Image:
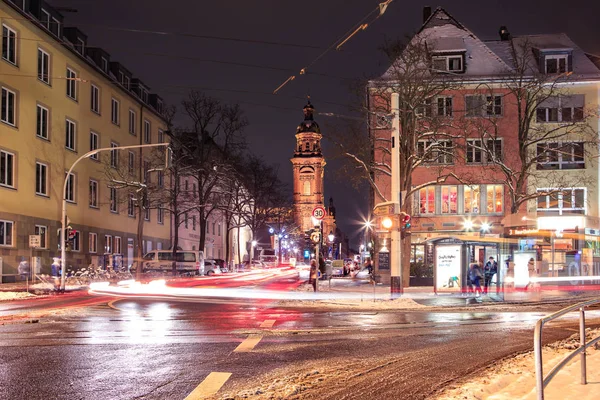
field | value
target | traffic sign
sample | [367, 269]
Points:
[319, 212]
[35, 241]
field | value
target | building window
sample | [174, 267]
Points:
[93, 144]
[76, 242]
[9, 44]
[556, 156]
[561, 109]
[161, 136]
[219, 230]
[554, 201]
[473, 151]
[43, 66]
[93, 242]
[474, 105]
[425, 110]
[113, 200]
[114, 155]
[71, 84]
[70, 134]
[108, 245]
[147, 209]
[452, 63]
[42, 232]
[104, 64]
[55, 27]
[556, 64]
[449, 200]
[114, 113]
[161, 178]
[185, 220]
[193, 222]
[42, 122]
[70, 189]
[495, 199]
[493, 106]
[147, 136]
[493, 150]
[9, 106]
[118, 245]
[472, 199]
[45, 19]
[306, 188]
[6, 233]
[160, 214]
[95, 99]
[194, 192]
[213, 227]
[7, 168]
[80, 46]
[132, 122]
[131, 206]
[93, 193]
[438, 152]
[427, 200]
[41, 179]
[131, 163]
[126, 82]
[444, 106]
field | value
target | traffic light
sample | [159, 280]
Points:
[405, 221]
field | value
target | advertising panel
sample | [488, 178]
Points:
[448, 261]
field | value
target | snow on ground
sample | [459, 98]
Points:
[514, 378]
[7, 296]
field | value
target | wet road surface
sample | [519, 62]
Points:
[84, 347]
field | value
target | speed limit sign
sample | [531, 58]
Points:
[319, 212]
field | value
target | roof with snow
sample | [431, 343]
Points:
[443, 35]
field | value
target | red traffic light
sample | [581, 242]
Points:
[405, 218]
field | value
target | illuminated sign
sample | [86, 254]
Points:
[523, 232]
[448, 262]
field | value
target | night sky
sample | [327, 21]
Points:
[170, 64]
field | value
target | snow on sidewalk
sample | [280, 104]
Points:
[514, 378]
[8, 296]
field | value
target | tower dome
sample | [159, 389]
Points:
[309, 124]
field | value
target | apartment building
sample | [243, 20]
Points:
[467, 217]
[61, 99]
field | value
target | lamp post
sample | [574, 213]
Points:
[63, 250]
[280, 235]
[331, 238]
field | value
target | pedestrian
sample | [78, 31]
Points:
[313, 274]
[489, 270]
[23, 268]
[56, 271]
[476, 274]
[369, 265]
[532, 272]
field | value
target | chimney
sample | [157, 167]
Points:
[426, 13]
[504, 33]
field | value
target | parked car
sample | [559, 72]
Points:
[211, 267]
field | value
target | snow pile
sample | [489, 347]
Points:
[514, 378]
[7, 296]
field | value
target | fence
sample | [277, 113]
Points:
[541, 380]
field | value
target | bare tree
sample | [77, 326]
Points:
[214, 141]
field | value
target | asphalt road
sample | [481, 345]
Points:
[83, 347]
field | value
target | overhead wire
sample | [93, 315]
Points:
[360, 25]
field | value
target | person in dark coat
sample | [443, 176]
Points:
[475, 274]
[490, 268]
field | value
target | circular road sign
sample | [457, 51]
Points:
[319, 212]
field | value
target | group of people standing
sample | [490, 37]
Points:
[477, 273]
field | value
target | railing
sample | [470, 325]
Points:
[541, 380]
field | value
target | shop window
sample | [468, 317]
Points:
[472, 199]
[427, 200]
[554, 201]
[495, 199]
[449, 200]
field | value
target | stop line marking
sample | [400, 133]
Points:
[209, 386]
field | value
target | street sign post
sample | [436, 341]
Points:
[319, 212]
[35, 241]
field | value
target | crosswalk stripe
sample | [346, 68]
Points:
[209, 386]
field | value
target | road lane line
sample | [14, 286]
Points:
[209, 386]
[248, 344]
[268, 323]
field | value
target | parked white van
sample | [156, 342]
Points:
[186, 262]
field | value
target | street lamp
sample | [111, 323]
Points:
[280, 235]
[331, 236]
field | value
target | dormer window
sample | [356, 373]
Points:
[104, 65]
[126, 82]
[80, 46]
[557, 64]
[449, 63]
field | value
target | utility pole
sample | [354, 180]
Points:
[396, 288]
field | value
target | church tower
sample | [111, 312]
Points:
[309, 165]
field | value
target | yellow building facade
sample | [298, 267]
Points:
[60, 100]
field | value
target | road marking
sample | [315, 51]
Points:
[268, 323]
[209, 386]
[248, 344]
